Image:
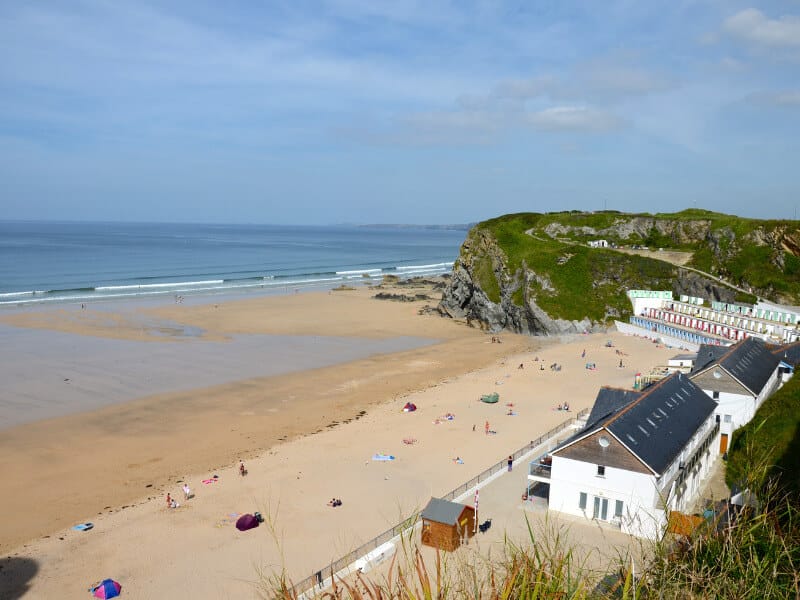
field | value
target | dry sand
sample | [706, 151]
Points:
[99, 466]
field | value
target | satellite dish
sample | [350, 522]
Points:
[603, 441]
[717, 374]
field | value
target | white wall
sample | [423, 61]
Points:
[643, 495]
[771, 386]
[741, 407]
[642, 304]
[636, 490]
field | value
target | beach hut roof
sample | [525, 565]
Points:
[442, 511]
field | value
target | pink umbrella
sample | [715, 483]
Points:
[108, 588]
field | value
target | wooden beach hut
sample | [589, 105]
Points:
[445, 524]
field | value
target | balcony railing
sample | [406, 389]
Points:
[540, 470]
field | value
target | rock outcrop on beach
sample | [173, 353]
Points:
[536, 274]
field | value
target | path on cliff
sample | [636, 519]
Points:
[679, 262]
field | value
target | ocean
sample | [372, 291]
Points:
[49, 262]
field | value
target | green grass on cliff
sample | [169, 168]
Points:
[770, 439]
[586, 282]
[722, 248]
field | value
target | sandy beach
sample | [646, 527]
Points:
[307, 431]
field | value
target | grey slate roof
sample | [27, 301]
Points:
[658, 423]
[788, 353]
[442, 511]
[751, 362]
[608, 401]
[706, 355]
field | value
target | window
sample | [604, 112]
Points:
[728, 418]
[715, 396]
[582, 501]
[618, 506]
[601, 471]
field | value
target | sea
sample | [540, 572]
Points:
[68, 262]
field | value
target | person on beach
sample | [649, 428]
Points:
[169, 500]
[242, 470]
[521, 366]
[186, 491]
[486, 428]
[510, 463]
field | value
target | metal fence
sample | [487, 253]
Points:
[327, 573]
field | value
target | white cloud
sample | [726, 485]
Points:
[574, 118]
[785, 98]
[731, 64]
[622, 80]
[753, 26]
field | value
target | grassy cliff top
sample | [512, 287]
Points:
[749, 253]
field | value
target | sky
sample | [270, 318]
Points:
[405, 111]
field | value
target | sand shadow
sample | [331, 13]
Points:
[16, 572]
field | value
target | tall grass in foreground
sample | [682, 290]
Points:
[755, 555]
[542, 569]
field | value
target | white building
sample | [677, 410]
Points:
[738, 379]
[681, 362]
[598, 244]
[641, 455]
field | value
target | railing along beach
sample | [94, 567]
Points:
[327, 573]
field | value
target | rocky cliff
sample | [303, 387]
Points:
[535, 274]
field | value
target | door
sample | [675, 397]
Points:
[723, 443]
[600, 508]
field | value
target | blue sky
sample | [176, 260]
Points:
[410, 111]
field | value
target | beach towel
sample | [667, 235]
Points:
[225, 521]
[382, 457]
[209, 481]
[83, 527]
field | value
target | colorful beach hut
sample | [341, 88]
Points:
[445, 524]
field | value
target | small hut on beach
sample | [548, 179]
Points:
[445, 524]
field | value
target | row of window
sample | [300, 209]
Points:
[600, 506]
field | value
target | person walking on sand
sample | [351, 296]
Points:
[510, 463]
[242, 470]
[186, 491]
[486, 428]
[169, 500]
